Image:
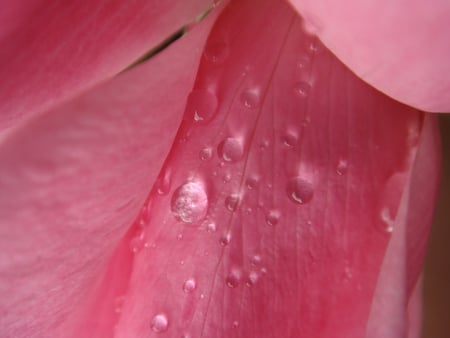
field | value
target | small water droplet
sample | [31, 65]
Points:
[216, 51]
[250, 98]
[159, 323]
[263, 271]
[181, 262]
[251, 182]
[304, 62]
[264, 144]
[202, 105]
[342, 167]
[137, 242]
[252, 278]
[189, 285]
[202, 296]
[231, 150]
[179, 237]
[164, 182]
[227, 178]
[225, 240]
[388, 220]
[211, 227]
[272, 217]
[205, 154]
[233, 279]
[300, 190]
[290, 138]
[235, 324]
[190, 202]
[232, 202]
[302, 89]
[255, 260]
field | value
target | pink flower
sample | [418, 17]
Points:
[241, 183]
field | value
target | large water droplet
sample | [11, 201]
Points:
[159, 323]
[202, 105]
[216, 51]
[190, 202]
[231, 149]
[232, 202]
[302, 89]
[189, 285]
[300, 190]
[233, 279]
[272, 217]
[251, 98]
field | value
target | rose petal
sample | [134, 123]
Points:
[277, 202]
[72, 182]
[400, 47]
[52, 52]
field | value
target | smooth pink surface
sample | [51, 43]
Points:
[401, 47]
[71, 184]
[76, 260]
[52, 51]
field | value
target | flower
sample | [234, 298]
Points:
[292, 200]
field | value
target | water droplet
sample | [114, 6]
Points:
[225, 240]
[227, 178]
[302, 89]
[163, 182]
[255, 260]
[342, 167]
[290, 138]
[263, 271]
[202, 296]
[251, 182]
[233, 279]
[159, 323]
[189, 285]
[231, 149]
[264, 144]
[179, 237]
[252, 278]
[202, 105]
[272, 217]
[216, 51]
[211, 227]
[181, 262]
[232, 202]
[300, 190]
[190, 202]
[304, 62]
[388, 220]
[137, 242]
[250, 98]
[205, 154]
[235, 324]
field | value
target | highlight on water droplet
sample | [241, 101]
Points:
[273, 217]
[189, 285]
[225, 240]
[251, 98]
[300, 190]
[342, 167]
[216, 51]
[159, 323]
[302, 89]
[190, 202]
[231, 149]
[387, 220]
[233, 279]
[206, 154]
[232, 202]
[202, 105]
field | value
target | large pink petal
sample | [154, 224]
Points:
[400, 47]
[71, 183]
[275, 212]
[51, 52]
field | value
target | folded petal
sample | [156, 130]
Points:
[71, 183]
[52, 52]
[289, 188]
[400, 47]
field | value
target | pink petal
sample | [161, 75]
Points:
[52, 52]
[400, 47]
[72, 182]
[274, 213]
